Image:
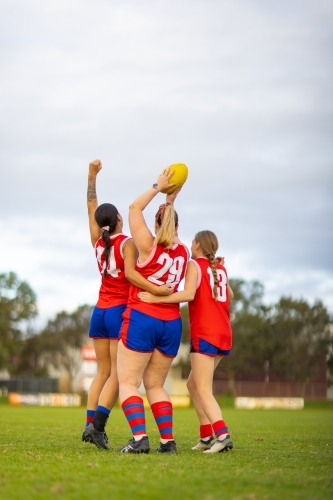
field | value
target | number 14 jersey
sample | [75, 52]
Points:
[163, 266]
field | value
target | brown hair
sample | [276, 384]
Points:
[167, 219]
[209, 245]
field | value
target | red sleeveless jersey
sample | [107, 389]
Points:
[209, 318]
[163, 266]
[115, 287]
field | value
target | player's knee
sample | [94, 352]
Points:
[129, 381]
[204, 392]
[104, 370]
[190, 384]
[151, 384]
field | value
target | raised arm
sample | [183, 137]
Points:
[130, 254]
[95, 232]
[142, 236]
[188, 294]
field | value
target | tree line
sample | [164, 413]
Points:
[293, 337]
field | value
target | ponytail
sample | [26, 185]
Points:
[106, 216]
[212, 262]
[167, 219]
[107, 249]
[209, 245]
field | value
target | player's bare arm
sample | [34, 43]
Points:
[170, 198]
[142, 236]
[188, 294]
[92, 203]
[130, 254]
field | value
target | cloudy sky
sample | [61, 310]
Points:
[239, 90]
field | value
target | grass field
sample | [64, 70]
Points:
[278, 454]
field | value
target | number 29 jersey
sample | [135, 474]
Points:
[163, 266]
[209, 318]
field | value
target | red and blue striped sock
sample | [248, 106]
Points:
[162, 412]
[135, 413]
[206, 432]
[89, 416]
[220, 429]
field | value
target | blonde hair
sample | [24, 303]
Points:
[209, 245]
[167, 219]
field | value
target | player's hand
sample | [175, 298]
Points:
[219, 260]
[94, 167]
[148, 297]
[164, 290]
[163, 179]
[170, 198]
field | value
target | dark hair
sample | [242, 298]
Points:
[106, 217]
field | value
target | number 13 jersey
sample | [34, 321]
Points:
[163, 266]
[209, 318]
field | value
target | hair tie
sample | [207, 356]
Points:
[161, 210]
[106, 228]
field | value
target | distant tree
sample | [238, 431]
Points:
[301, 339]
[17, 307]
[330, 362]
[31, 360]
[62, 338]
[185, 324]
[249, 327]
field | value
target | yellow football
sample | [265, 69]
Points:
[178, 177]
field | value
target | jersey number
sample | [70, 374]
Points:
[221, 285]
[112, 267]
[174, 266]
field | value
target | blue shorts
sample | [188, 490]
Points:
[144, 333]
[106, 323]
[203, 347]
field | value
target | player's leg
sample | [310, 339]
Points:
[159, 400]
[223, 441]
[203, 367]
[167, 341]
[205, 427]
[102, 350]
[111, 320]
[131, 366]
[107, 399]
[98, 333]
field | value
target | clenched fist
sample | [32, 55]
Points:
[94, 167]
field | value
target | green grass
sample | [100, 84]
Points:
[278, 454]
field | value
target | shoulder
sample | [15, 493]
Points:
[194, 271]
[124, 243]
[119, 239]
[202, 262]
[180, 248]
[193, 263]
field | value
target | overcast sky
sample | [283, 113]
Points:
[239, 90]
